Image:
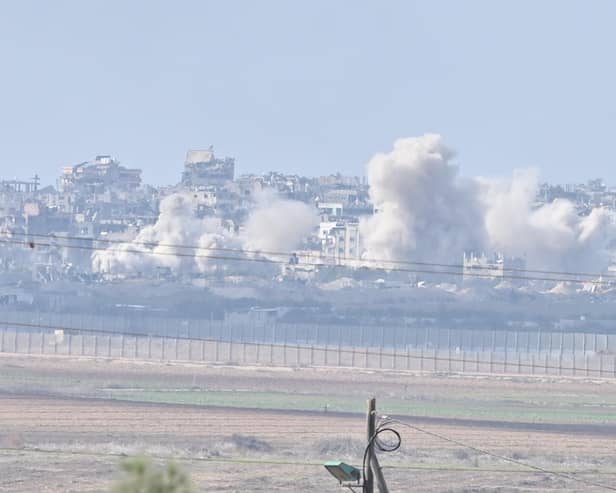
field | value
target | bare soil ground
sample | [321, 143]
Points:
[65, 424]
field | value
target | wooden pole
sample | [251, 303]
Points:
[371, 428]
[378, 474]
[373, 470]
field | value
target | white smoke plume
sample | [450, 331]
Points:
[273, 224]
[426, 211]
[552, 235]
[278, 225]
[161, 244]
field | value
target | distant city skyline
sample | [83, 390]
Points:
[53, 181]
[307, 88]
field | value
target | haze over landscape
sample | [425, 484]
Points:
[226, 226]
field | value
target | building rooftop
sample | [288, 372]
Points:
[199, 156]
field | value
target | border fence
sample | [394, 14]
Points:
[304, 345]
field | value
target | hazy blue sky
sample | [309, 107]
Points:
[307, 86]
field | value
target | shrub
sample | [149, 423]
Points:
[143, 477]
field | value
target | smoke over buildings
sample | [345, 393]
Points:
[427, 211]
[168, 243]
[551, 235]
[183, 242]
[279, 225]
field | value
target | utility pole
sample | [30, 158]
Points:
[349, 476]
[373, 470]
[371, 429]
[378, 473]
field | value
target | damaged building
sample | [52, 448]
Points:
[202, 168]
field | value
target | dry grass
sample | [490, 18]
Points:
[241, 449]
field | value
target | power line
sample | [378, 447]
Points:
[289, 254]
[500, 457]
[264, 260]
[325, 349]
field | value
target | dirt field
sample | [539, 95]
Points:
[66, 423]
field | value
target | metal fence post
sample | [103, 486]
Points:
[339, 345]
[271, 353]
[326, 353]
[381, 348]
[506, 351]
[560, 364]
[243, 350]
[532, 364]
[519, 363]
[284, 346]
[393, 357]
[560, 355]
